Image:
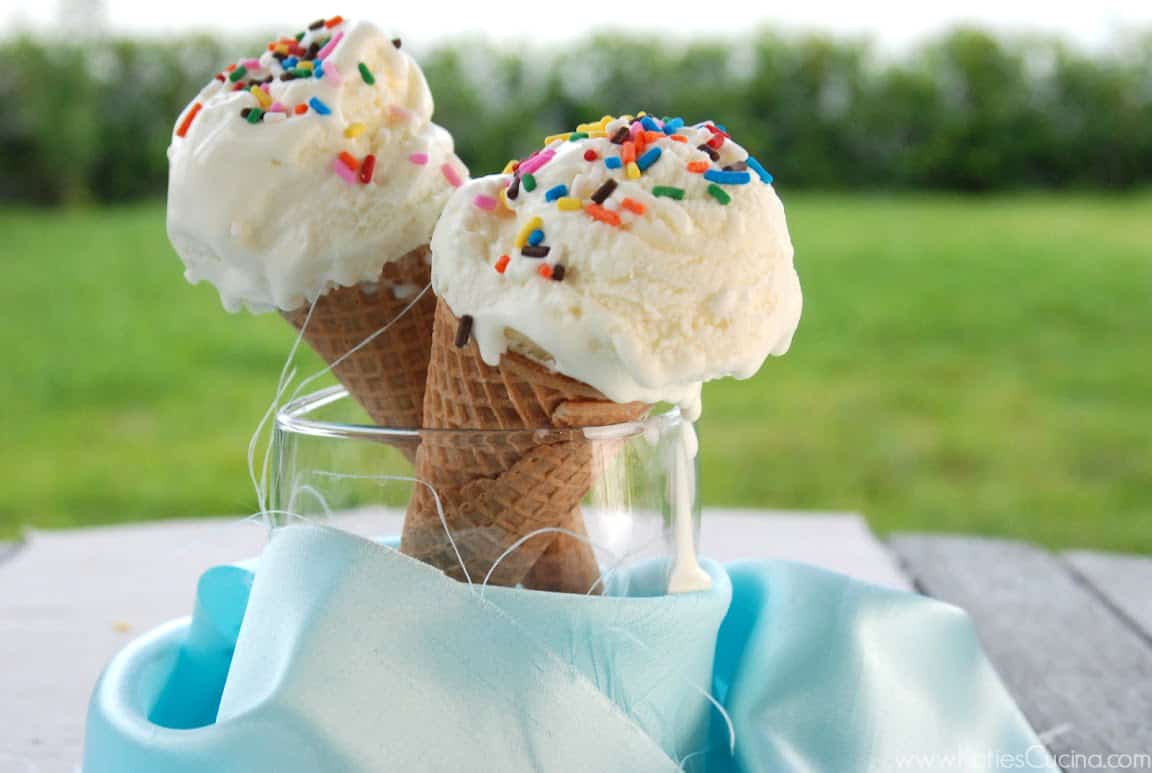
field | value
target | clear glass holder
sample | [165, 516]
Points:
[563, 510]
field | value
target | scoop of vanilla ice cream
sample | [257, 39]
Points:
[682, 273]
[260, 203]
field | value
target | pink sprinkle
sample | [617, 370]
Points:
[399, 113]
[451, 175]
[636, 128]
[540, 159]
[331, 73]
[419, 158]
[330, 45]
[484, 202]
[251, 64]
[340, 168]
[276, 107]
[264, 87]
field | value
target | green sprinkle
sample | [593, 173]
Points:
[255, 115]
[366, 74]
[669, 192]
[301, 72]
[574, 136]
[299, 36]
[238, 73]
[719, 193]
[528, 182]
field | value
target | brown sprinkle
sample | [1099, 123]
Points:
[312, 51]
[316, 24]
[621, 136]
[514, 188]
[558, 272]
[739, 166]
[712, 154]
[396, 42]
[534, 251]
[464, 331]
[604, 191]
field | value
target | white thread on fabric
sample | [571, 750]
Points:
[620, 564]
[435, 497]
[314, 492]
[542, 530]
[704, 693]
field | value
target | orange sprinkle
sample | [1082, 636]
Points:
[301, 109]
[271, 46]
[651, 136]
[700, 167]
[597, 212]
[640, 143]
[230, 68]
[677, 138]
[502, 264]
[188, 119]
[628, 151]
[349, 160]
[333, 21]
[632, 205]
[545, 271]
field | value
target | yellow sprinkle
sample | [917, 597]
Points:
[529, 227]
[632, 170]
[553, 137]
[264, 100]
[588, 128]
[569, 204]
[605, 120]
[641, 114]
[306, 64]
[510, 167]
[597, 133]
[282, 49]
[354, 130]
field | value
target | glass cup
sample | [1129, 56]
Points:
[601, 510]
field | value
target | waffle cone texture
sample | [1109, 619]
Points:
[495, 488]
[386, 375]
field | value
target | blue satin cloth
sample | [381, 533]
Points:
[341, 654]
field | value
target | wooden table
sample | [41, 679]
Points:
[1071, 634]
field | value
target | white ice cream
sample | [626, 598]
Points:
[690, 290]
[258, 210]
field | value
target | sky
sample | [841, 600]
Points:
[893, 23]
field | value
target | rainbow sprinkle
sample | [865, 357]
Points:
[650, 157]
[451, 175]
[318, 105]
[556, 192]
[485, 202]
[668, 191]
[727, 178]
[522, 235]
[188, 119]
[613, 162]
[419, 159]
[366, 74]
[718, 193]
[340, 168]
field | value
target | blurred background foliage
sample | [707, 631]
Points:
[967, 111]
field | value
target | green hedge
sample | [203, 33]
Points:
[966, 111]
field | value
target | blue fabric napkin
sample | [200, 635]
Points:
[353, 657]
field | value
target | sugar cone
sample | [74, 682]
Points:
[386, 375]
[497, 487]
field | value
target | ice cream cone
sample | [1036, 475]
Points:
[386, 375]
[496, 488]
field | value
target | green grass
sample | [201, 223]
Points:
[968, 365]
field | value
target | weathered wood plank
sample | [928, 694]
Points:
[1125, 582]
[1081, 674]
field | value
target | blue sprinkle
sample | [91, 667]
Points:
[555, 193]
[613, 162]
[649, 124]
[650, 157]
[319, 106]
[318, 70]
[535, 237]
[764, 174]
[728, 178]
[721, 127]
[290, 62]
[672, 124]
